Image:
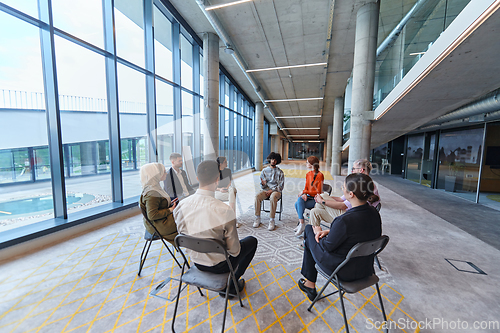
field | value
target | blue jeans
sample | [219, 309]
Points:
[301, 205]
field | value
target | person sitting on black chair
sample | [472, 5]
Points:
[328, 248]
[202, 215]
[176, 183]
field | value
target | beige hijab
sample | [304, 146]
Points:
[151, 175]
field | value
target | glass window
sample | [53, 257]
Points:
[187, 121]
[459, 157]
[29, 7]
[186, 63]
[414, 153]
[163, 45]
[81, 18]
[133, 127]
[84, 124]
[23, 123]
[130, 30]
[165, 121]
[226, 94]
[202, 83]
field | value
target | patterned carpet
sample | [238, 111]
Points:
[90, 284]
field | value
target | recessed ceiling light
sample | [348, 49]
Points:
[301, 128]
[225, 5]
[317, 116]
[293, 99]
[285, 67]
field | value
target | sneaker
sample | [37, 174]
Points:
[300, 229]
[271, 225]
[296, 228]
[301, 246]
[257, 222]
[238, 224]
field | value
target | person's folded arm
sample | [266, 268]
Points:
[336, 236]
[335, 204]
[153, 209]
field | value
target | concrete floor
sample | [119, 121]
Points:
[89, 283]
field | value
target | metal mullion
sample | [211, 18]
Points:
[246, 141]
[176, 59]
[481, 163]
[52, 111]
[23, 16]
[222, 115]
[112, 101]
[150, 80]
[230, 145]
[196, 105]
[80, 42]
[238, 133]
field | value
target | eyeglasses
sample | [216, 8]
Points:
[342, 187]
[354, 168]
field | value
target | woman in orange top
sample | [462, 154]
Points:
[314, 185]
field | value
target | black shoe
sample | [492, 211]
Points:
[232, 290]
[310, 292]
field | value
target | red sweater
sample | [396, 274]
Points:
[317, 186]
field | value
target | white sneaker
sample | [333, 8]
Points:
[257, 222]
[296, 228]
[238, 224]
[300, 229]
[271, 225]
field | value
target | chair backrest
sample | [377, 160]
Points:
[327, 188]
[202, 245]
[378, 207]
[365, 249]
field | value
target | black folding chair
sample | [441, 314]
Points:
[376, 257]
[150, 238]
[327, 188]
[280, 201]
[201, 279]
[365, 249]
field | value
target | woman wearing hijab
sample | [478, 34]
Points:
[156, 202]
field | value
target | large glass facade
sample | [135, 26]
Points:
[114, 103]
[417, 36]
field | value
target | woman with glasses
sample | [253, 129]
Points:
[314, 187]
[328, 207]
[328, 248]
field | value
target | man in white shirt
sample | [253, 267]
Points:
[176, 184]
[201, 215]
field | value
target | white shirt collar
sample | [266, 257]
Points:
[205, 192]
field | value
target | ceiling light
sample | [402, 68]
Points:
[293, 99]
[318, 116]
[316, 135]
[229, 49]
[302, 128]
[417, 53]
[285, 67]
[225, 5]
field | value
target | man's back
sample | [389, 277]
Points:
[201, 215]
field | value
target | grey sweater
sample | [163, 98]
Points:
[274, 177]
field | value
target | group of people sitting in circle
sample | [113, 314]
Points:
[175, 207]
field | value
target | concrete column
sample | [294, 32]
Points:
[328, 159]
[338, 122]
[277, 144]
[363, 75]
[259, 135]
[211, 95]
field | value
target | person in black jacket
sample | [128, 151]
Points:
[176, 183]
[328, 248]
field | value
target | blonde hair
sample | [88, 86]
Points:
[364, 164]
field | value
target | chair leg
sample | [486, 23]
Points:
[381, 303]
[144, 255]
[343, 311]
[171, 253]
[177, 300]
[225, 303]
[378, 263]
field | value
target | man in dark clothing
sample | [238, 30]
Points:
[176, 184]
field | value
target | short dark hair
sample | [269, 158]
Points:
[174, 156]
[274, 156]
[207, 172]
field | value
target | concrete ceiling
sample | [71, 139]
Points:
[270, 33]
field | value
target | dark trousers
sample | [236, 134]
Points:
[242, 260]
[308, 261]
